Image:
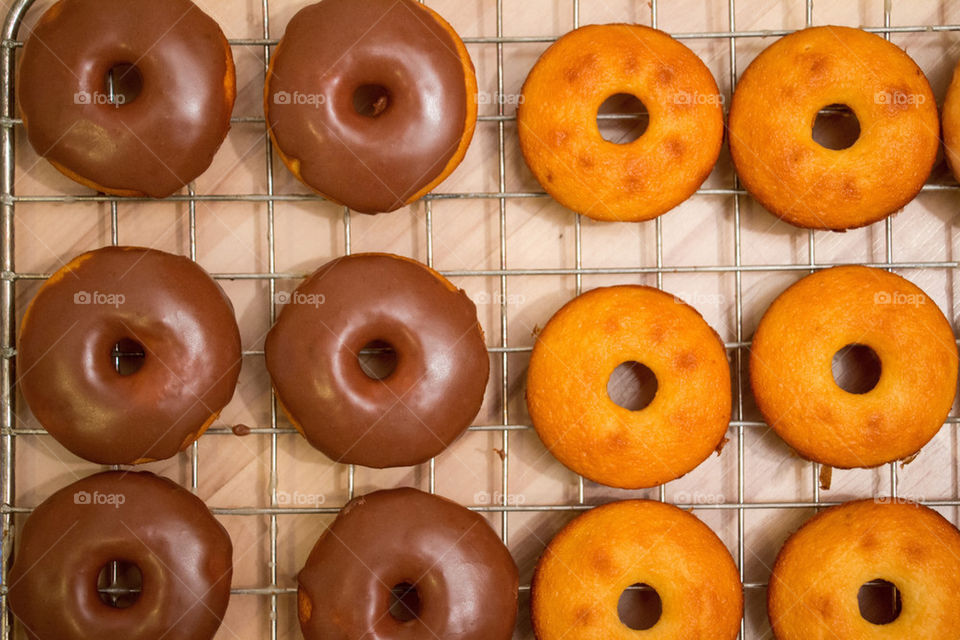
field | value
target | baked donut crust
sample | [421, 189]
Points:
[583, 428]
[819, 572]
[640, 180]
[776, 103]
[587, 566]
[792, 355]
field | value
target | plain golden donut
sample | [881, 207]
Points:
[819, 571]
[562, 144]
[791, 367]
[951, 123]
[771, 128]
[589, 564]
[572, 362]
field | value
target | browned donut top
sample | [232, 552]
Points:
[183, 553]
[464, 577]
[332, 48]
[161, 140]
[429, 399]
[775, 106]
[819, 571]
[167, 304]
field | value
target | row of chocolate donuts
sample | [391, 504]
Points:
[179, 322]
[394, 562]
[394, 110]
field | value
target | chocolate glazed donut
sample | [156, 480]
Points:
[168, 134]
[428, 400]
[371, 104]
[184, 556]
[462, 579]
[165, 305]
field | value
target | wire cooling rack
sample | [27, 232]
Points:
[278, 590]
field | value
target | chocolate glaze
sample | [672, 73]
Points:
[172, 307]
[183, 553]
[428, 400]
[464, 576]
[164, 138]
[331, 48]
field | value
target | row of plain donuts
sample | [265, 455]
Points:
[394, 109]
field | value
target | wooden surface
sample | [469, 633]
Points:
[232, 237]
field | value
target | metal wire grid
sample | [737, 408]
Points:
[9, 431]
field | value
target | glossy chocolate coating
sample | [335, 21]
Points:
[371, 164]
[164, 138]
[170, 306]
[184, 555]
[465, 579]
[429, 399]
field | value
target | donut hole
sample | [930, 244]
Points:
[622, 118]
[639, 606]
[128, 356]
[856, 368]
[119, 584]
[404, 602]
[124, 84]
[836, 127]
[378, 359]
[880, 602]
[632, 385]
[370, 100]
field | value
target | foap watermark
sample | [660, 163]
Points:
[98, 97]
[495, 97]
[699, 498]
[315, 100]
[484, 498]
[300, 298]
[900, 499]
[899, 298]
[499, 298]
[99, 499]
[99, 298]
[299, 499]
[697, 98]
[700, 299]
[899, 98]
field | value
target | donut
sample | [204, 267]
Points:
[771, 128]
[791, 361]
[184, 557]
[166, 135]
[416, 411]
[371, 104]
[116, 299]
[951, 123]
[588, 565]
[562, 144]
[572, 361]
[818, 574]
[450, 573]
